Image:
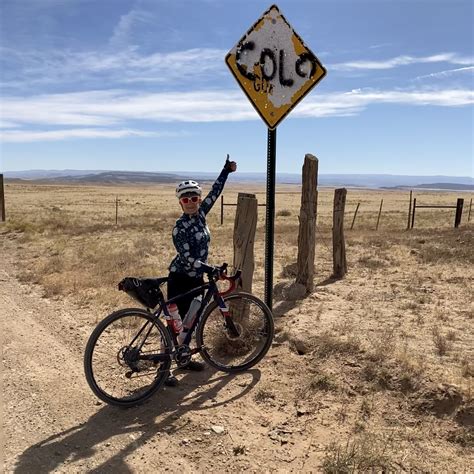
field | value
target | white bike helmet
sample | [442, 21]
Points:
[188, 186]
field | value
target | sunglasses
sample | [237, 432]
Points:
[186, 200]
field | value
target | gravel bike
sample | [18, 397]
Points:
[130, 353]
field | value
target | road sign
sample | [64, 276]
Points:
[273, 66]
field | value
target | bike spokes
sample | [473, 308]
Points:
[239, 340]
[127, 357]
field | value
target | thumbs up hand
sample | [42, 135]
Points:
[230, 166]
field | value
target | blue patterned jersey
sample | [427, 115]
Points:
[191, 235]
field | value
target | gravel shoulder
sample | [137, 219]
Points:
[319, 392]
[53, 423]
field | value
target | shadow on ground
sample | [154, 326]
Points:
[288, 295]
[167, 405]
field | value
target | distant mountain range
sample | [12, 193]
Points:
[385, 181]
[437, 186]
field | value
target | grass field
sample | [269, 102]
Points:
[390, 347]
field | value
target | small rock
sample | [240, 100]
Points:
[273, 435]
[295, 291]
[299, 346]
[238, 450]
[218, 429]
[290, 271]
[301, 411]
[207, 433]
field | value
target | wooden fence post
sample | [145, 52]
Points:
[380, 212]
[307, 228]
[457, 217]
[2, 200]
[413, 213]
[116, 209]
[355, 215]
[469, 215]
[245, 226]
[409, 210]
[338, 242]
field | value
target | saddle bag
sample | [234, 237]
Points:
[145, 290]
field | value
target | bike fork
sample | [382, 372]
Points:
[229, 324]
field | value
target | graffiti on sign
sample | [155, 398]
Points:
[274, 67]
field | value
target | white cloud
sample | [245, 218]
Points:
[28, 69]
[111, 107]
[352, 103]
[126, 25]
[447, 73]
[6, 124]
[59, 109]
[121, 108]
[381, 45]
[127, 66]
[451, 58]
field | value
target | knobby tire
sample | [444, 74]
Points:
[113, 375]
[236, 354]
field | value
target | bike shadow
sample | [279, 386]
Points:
[197, 391]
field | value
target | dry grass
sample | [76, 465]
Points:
[441, 342]
[328, 344]
[367, 453]
[402, 316]
[264, 395]
[283, 213]
[322, 381]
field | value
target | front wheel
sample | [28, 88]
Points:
[127, 357]
[239, 346]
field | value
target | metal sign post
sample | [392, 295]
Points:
[275, 70]
[2, 200]
[270, 216]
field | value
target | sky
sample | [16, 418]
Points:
[142, 85]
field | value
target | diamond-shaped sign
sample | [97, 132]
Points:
[274, 67]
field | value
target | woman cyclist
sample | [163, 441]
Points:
[191, 239]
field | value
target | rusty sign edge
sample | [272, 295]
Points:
[293, 105]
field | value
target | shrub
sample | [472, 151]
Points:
[365, 454]
[322, 382]
[441, 342]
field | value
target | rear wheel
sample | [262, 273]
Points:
[119, 360]
[234, 351]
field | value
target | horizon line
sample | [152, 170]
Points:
[240, 173]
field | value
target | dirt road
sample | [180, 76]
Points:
[318, 385]
[53, 423]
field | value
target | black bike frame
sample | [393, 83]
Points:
[212, 291]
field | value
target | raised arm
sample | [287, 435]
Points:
[218, 186]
